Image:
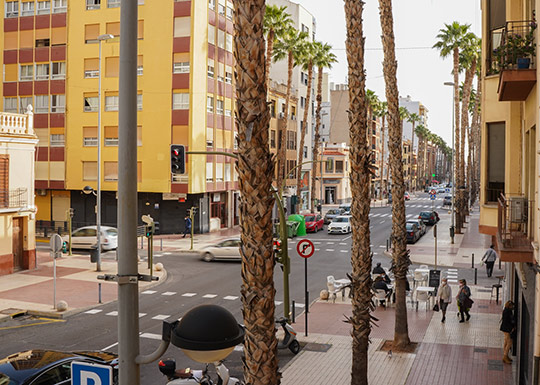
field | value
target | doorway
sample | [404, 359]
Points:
[17, 244]
[329, 195]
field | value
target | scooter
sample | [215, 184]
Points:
[289, 338]
[195, 377]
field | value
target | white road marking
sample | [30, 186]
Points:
[109, 347]
[329, 243]
[299, 305]
[141, 315]
[239, 348]
[376, 215]
[113, 313]
[189, 294]
[384, 215]
[382, 247]
[410, 215]
[343, 251]
[169, 293]
[209, 296]
[342, 243]
[161, 317]
[230, 297]
[93, 311]
[344, 239]
[329, 250]
[152, 336]
[315, 243]
[167, 253]
[277, 303]
[382, 222]
[149, 292]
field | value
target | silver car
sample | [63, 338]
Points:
[227, 249]
[86, 238]
[420, 224]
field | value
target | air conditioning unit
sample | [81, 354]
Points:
[518, 210]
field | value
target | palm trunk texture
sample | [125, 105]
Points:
[255, 170]
[302, 139]
[382, 157]
[469, 77]
[457, 158]
[400, 256]
[317, 138]
[360, 175]
[269, 51]
[283, 123]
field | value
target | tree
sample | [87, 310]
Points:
[400, 256]
[404, 114]
[413, 118]
[308, 53]
[255, 170]
[380, 112]
[421, 131]
[288, 47]
[450, 41]
[324, 59]
[276, 22]
[361, 171]
[372, 103]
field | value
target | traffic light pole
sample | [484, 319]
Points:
[191, 215]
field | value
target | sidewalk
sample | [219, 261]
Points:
[450, 353]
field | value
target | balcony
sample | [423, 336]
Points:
[513, 57]
[514, 229]
[13, 199]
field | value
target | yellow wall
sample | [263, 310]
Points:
[6, 232]
[43, 204]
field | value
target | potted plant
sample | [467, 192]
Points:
[517, 49]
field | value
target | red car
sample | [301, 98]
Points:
[314, 222]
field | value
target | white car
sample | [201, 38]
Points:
[227, 249]
[340, 225]
[86, 238]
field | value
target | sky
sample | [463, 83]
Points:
[421, 70]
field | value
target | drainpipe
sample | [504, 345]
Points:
[536, 347]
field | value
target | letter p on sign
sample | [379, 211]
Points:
[88, 373]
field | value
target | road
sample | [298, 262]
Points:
[192, 282]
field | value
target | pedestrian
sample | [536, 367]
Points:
[378, 269]
[187, 227]
[464, 300]
[379, 284]
[508, 327]
[489, 258]
[445, 297]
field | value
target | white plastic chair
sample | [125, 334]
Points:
[424, 267]
[380, 297]
[333, 287]
[422, 296]
[419, 277]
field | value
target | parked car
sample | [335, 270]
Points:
[441, 190]
[429, 217]
[419, 223]
[447, 200]
[340, 225]
[331, 215]
[407, 196]
[427, 189]
[86, 238]
[229, 249]
[49, 367]
[346, 207]
[413, 232]
[314, 222]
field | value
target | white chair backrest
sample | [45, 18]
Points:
[422, 296]
[331, 287]
[424, 267]
[330, 278]
[418, 276]
[380, 294]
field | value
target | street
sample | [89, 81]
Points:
[191, 282]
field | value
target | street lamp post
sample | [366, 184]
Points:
[452, 228]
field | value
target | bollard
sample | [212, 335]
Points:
[293, 311]
[387, 245]
[142, 243]
[475, 275]
[472, 264]
[161, 244]
[99, 292]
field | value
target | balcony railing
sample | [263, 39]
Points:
[515, 228]
[12, 199]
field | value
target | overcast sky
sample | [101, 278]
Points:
[421, 71]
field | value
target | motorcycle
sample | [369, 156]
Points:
[195, 377]
[289, 340]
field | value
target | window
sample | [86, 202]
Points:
[91, 103]
[25, 101]
[92, 4]
[58, 103]
[42, 104]
[113, 3]
[210, 68]
[212, 4]
[12, 9]
[219, 172]
[291, 140]
[26, 72]
[112, 66]
[228, 112]
[209, 104]
[139, 136]
[91, 33]
[221, 38]
[339, 166]
[140, 70]
[181, 68]
[43, 43]
[181, 101]
[228, 43]
[221, 72]
[329, 165]
[57, 140]
[302, 102]
[42, 71]
[230, 13]
[90, 137]
[58, 70]
[209, 172]
[227, 172]
[305, 152]
[495, 161]
[235, 142]
[221, 9]
[10, 105]
[305, 28]
[139, 102]
[111, 136]
[273, 108]
[110, 171]
[91, 68]
[209, 137]
[228, 74]
[273, 139]
[43, 7]
[59, 6]
[219, 107]
[27, 8]
[111, 103]
[182, 26]
[211, 34]
[89, 170]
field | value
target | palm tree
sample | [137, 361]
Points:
[360, 156]
[404, 114]
[400, 256]
[450, 41]
[288, 47]
[380, 112]
[372, 103]
[421, 132]
[255, 170]
[413, 118]
[308, 52]
[276, 22]
[324, 59]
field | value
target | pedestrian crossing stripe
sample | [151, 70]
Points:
[142, 315]
[189, 294]
[152, 336]
[343, 251]
[161, 317]
[112, 313]
[230, 297]
[329, 250]
[149, 292]
[277, 303]
[299, 305]
[210, 296]
[93, 311]
[169, 293]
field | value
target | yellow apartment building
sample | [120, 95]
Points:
[185, 85]
[509, 209]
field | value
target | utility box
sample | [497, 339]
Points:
[518, 210]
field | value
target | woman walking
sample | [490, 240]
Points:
[445, 297]
[464, 300]
[508, 327]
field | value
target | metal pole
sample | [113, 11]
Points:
[307, 295]
[128, 289]
[191, 211]
[293, 311]
[70, 226]
[98, 196]
[472, 262]
[99, 292]
[54, 280]
[453, 172]
[435, 236]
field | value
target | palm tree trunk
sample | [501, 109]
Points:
[360, 187]
[317, 138]
[477, 137]
[458, 182]
[269, 51]
[283, 123]
[302, 138]
[255, 170]
[412, 160]
[382, 157]
[469, 77]
[400, 255]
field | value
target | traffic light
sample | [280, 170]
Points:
[277, 250]
[178, 159]
[150, 229]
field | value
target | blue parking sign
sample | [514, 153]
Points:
[433, 196]
[88, 373]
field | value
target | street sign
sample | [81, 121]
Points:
[88, 373]
[432, 197]
[56, 243]
[433, 192]
[447, 190]
[305, 248]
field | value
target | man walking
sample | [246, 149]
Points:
[187, 228]
[489, 258]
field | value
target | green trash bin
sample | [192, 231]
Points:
[292, 228]
[301, 221]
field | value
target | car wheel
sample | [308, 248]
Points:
[208, 257]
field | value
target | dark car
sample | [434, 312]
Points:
[413, 232]
[331, 215]
[429, 217]
[447, 200]
[50, 367]
[314, 222]
[420, 224]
